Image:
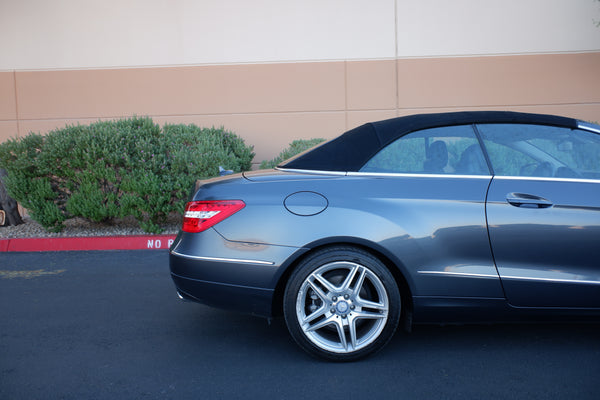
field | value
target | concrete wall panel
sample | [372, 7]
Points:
[8, 130]
[368, 85]
[181, 90]
[499, 81]
[476, 27]
[8, 101]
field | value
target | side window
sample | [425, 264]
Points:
[507, 161]
[541, 151]
[444, 150]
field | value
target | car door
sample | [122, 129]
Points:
[433, 183]
[543, 212]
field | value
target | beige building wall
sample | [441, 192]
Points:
[276, 71]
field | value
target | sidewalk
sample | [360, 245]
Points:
[138, 242]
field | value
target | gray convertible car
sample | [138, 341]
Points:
[433, 218]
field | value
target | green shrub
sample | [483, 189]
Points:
[296, 147]
[107, 170]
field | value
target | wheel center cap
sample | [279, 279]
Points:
[342, 307]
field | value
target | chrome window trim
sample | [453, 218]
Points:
[588, 127]
[528, 278]
[546, 179]
[451, 176]
[311, 171]
[413, 175]
[461, 274]
[219, 259]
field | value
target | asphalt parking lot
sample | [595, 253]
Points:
[108, 325]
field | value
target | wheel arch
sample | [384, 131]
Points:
[395, 266]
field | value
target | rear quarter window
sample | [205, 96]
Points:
[443, 150]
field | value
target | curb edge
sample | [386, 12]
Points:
[139, 242]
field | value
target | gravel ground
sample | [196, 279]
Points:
[78, 227]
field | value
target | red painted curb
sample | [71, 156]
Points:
[142, 242]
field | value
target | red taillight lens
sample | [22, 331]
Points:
[201, 215]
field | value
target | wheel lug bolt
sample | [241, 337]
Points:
[352, 307]
[334, 298]
[332, 310]
[346, 296]
[343, 315]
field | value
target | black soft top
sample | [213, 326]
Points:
[351, 150]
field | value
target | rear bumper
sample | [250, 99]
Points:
[245, 299]
[209, 269]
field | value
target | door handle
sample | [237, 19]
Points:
[527, 201]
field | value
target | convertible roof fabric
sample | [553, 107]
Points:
[351, 150]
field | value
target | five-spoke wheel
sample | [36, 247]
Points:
[341, 304]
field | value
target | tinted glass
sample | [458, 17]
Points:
[445, 150]
[541, 151]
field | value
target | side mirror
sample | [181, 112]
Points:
[223, 171]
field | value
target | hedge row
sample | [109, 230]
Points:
[107, 170]
[296, 147]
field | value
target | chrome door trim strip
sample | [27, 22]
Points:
[555, 280]
[220, 259]
[465, 274]
[546, 179]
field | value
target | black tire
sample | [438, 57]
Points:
[341, 304]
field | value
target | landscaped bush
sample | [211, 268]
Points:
[107, 170]
[296, 147]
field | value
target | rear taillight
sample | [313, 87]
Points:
[201, 215]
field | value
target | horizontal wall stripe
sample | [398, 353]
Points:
[185, 90]
[270, 105]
